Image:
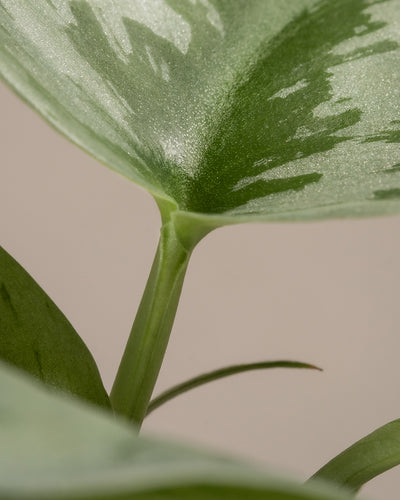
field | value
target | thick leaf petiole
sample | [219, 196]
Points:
[144, 352]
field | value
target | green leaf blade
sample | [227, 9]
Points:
[214, 375]
[36, 337]
[275, 110]
[367, 458]
[76, 453]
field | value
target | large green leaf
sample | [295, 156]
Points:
[233, 111]
[365, 459]
[54, 448]
[36, 337]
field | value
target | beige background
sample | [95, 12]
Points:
[326, 293]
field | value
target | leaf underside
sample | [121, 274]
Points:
[234, 111]
[60, 449]
[367, 458]
[36, 337]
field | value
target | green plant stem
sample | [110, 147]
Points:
[214, 375]
[144, 352]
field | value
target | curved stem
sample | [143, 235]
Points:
[227, 371]
[144, 352]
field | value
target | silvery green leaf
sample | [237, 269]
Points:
[53, 448]
[231, 111]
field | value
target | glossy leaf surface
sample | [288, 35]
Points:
[365, 459]
[69, 451]
[214, 375]
[36, 337]
[234, 111]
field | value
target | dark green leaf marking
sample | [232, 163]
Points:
[395, 168]
[387, 194]
[6, 299]
[390, 136]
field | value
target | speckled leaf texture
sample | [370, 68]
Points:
[232, 110]
[62, 450]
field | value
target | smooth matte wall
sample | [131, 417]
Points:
[325, 293]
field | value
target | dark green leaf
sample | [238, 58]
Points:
[205, 378]
[36, 336]
[53, 448]
[232, 111]
[366, 459]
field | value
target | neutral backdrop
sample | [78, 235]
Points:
[326, 293]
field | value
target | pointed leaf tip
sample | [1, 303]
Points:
[36, 337]
[219, 374]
